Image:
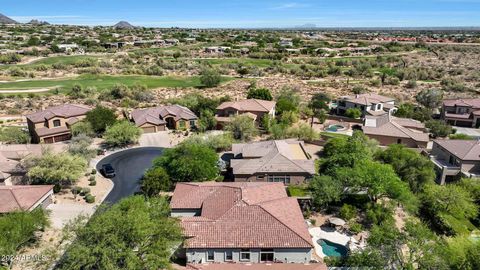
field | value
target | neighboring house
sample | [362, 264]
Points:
[53, 124]
[158, 118]
[462, 112]
[258, 266]
[368, 104]
[388, 130]
[455, 158]
[246, 223]
[254, 108]
[284, 161]
[286, 42]
[11, 155]
[24, 198]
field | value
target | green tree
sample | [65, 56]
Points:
[242, 127]
[82, 127]
[430, 98]
[57, 169]
[438, 128]
[19, 230]
[14, 135]
[155, 180]
[210, 78]
[412, 167]
[354, 113]
[449, 208]
[132, 234]
[259, 93]
[122, 133]
[100, 118]
[189, 162]
[206, 121]
[81, 146]
[287, 100]
[325, 190]
[319, 105]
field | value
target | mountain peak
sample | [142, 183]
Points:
[123, 25]
[6, 20]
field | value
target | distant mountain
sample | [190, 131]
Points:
[306, 26]
[6, 20]
[37, 22]
[123, 25]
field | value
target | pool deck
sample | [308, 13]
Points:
[335, 237]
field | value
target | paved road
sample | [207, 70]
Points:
[129, 166]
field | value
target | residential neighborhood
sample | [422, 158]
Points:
[239, 136]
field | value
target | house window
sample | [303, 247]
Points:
[181, 124]
[228, 255]
[192, 123]
[399, 141]
[279, 178]
[267, 255]
[56, 123]
[379, 106]
[260, 177]
[210, 255]
[245, 255]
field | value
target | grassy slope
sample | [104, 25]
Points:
[106, 81]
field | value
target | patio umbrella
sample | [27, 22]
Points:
[336, 221]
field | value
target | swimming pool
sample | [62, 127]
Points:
[335, 128]
[331, 249]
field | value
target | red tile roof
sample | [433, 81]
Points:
[463, 149]
[246, 105]
[241, 215]
[257, 266]
[472, 102]
[156, 115]
[65, 111]
[14, 198]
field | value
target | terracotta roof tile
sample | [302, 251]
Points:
[65, 111]
[241, 215]
[14, 198]
[253, 105]
[156, 115]
[463, 149]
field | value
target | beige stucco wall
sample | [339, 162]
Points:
[295, 179]
[385, 140]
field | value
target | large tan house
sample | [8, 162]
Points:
[25, 198]
[159, 118]
[284, 161]
[388, 130]
[368, 104]
[455, 158]
[254, 108]
[53, 124]
[462, 112]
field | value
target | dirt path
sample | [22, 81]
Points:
[21, 91]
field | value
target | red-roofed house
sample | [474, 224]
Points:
[53, 124]
[454, 158]
[254, 108]
[155, 119]
[240, 223]
[24, 198]
[462, 112]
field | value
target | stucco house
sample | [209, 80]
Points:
[284, 161]
[53, 124]
[25, 198]
[462, 112]
[455, 158]
[254, 108]
[242, 223]
[258, 266]
[159, 118]
[368, 104]
[388, 130]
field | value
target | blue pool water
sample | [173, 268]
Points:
[335, 128]
[331, 249]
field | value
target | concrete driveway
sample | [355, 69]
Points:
[129, 165]
[158, 139]
[61, 214]
[474, 132]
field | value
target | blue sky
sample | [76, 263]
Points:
[249, 13]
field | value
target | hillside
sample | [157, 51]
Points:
[6, 20]
[123, 25]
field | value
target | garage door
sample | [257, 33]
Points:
[149, 130]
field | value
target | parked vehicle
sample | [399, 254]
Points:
[108, 171]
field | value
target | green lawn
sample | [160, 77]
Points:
[244, 61]
[298, 191]
[102, 82]
[67, 60]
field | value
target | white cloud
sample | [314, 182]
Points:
[290, 6]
